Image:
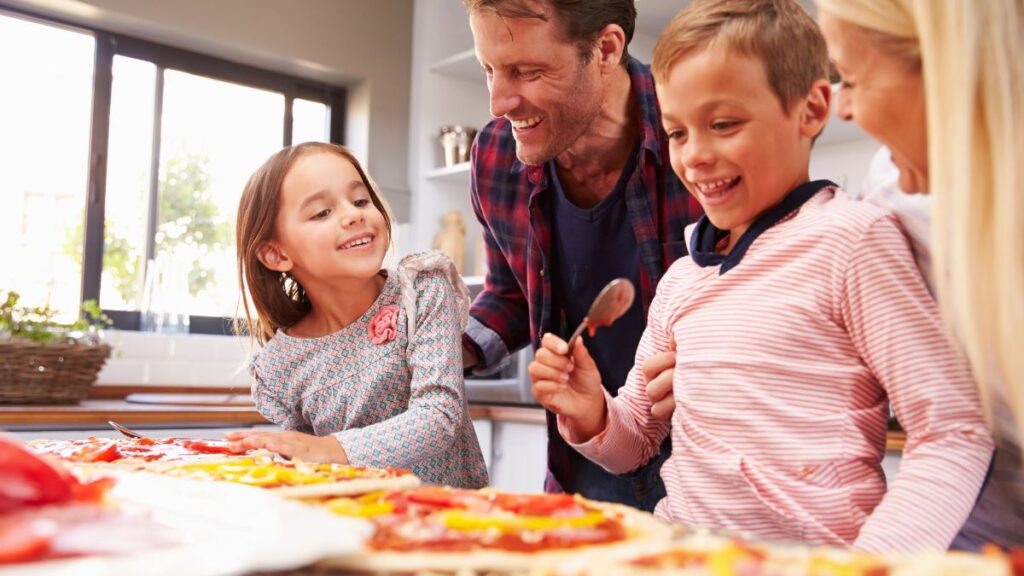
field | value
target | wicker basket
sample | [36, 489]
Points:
[52, 374]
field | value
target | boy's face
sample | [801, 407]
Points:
[730, 141]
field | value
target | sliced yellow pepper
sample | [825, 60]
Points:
[467, 521]
[352, 507]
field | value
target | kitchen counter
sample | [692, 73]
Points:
[112, 403]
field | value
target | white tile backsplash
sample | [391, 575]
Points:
[176, 359]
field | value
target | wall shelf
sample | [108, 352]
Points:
[462, 65]
[458, 174]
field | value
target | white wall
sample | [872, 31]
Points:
[844, 163]
[366, 46]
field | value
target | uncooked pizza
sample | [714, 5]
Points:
[447, 529]
[131, 452]
[710, 555]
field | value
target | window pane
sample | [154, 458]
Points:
[45, 109]
[310, 121]
[213, 135]
[129, 171]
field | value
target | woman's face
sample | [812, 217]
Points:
[884, 94]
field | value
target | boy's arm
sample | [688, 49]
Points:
[632, 436]
[436, 403]
[898, 332]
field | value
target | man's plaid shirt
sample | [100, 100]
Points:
[513, 203]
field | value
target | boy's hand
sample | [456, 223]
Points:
[569, 387]
[658, 372]
[306, 447]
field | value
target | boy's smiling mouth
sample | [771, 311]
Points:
[714, 191]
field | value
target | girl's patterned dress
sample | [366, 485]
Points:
[389, 386]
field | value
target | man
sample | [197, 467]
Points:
[572, 184]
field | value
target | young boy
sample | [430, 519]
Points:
[798, 317]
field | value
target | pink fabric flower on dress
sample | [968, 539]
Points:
[382, 327]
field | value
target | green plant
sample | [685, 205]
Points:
[37, 324]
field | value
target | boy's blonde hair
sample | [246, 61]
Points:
[778, 32]
[970, 58]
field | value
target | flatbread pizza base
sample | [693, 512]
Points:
[642, 530]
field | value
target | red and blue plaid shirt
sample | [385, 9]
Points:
[512, 201]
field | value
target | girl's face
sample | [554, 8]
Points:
[327, 227]
[884, 94]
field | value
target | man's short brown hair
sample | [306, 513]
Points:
[580, 21]
[779, 32]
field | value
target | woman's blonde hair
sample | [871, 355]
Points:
[269, 299]
[970, 55]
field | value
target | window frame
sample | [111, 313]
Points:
[110, 44]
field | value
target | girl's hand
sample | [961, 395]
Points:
[570, 387]
[306, 447]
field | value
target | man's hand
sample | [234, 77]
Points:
[469, 358]
[567, 386]
[306, 447]
[658, 372]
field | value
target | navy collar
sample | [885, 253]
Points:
[706, 237]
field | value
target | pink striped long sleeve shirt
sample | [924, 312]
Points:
[784, 368]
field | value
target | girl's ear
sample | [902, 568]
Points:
[273, 258]
[816, 109]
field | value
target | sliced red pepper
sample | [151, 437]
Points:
[26, 479]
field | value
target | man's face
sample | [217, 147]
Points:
[538, 82]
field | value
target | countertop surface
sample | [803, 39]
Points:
[170, 406]
[167, 406]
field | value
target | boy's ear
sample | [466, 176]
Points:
[611, 43]
[816, 108]
[271, 256]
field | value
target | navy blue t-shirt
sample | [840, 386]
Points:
[593, 246]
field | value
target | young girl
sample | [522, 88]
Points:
[362, 366]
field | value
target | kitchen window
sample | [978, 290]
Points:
[124, 161]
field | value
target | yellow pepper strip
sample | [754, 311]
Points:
[467, 521]
[824, 566]
[351, 507]
[248, 472]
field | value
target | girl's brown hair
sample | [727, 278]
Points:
[278, 300]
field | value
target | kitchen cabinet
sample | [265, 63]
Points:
[448, 88]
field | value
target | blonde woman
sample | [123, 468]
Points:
[941, 83]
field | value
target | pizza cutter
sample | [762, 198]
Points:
[610, 304]
[124, 429]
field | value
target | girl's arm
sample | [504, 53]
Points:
[437, 405]
[632, 435]
[896, 327]
[276, 401]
